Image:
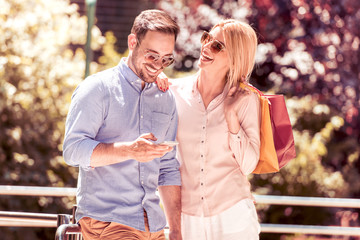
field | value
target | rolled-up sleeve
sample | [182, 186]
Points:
[169, 165]
[85, 117]
[246, 143]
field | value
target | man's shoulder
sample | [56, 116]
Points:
[95, 84]
[103, 76]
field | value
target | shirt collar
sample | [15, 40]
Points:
[129, 74]
[216, 101]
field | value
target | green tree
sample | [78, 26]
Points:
[38, 73]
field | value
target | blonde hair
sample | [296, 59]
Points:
[241, 43]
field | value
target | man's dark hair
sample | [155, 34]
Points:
[154, 20]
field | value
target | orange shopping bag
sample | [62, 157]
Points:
[277, 145]
[268, 161]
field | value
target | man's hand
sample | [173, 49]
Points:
[143, 150]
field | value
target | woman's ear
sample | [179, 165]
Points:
[132, 41]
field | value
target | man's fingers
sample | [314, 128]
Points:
[164, 148]
[148, 136]
[145, 150]
[152, 154]
[160, 150]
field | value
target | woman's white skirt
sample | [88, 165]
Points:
[236, 223]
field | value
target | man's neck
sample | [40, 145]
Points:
[142, 84]
[128, 63]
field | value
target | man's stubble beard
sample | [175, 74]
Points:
[138, 70]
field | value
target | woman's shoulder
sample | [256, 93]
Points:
[182, 80]
[182, 83]
[251, 98]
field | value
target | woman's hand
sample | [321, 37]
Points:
[162, 82]
[232, 105]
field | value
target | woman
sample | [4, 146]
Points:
[219, 137]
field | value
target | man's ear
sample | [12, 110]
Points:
[132, 41]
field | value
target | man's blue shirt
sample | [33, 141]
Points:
[109, 107]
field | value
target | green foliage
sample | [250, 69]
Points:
[110, 57]
[38, 73]
[312, 49]
[308, 50]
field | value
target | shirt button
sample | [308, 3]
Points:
[141, 116]
[142, 182]
[143, 202]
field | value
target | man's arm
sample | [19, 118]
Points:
[85, 117]
[141, 150]
[171, 198]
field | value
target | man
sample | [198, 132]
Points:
[117, 121]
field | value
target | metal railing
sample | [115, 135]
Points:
[50, 220]
[37, 191]
[26, 219]
[68, 231]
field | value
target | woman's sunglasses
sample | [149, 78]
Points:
[215, 46]
[153, 57]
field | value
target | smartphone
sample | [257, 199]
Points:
[170, 143]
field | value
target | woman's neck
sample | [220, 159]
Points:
[210, 86]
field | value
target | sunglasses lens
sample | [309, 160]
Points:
[205, 37]
[167, 61]
[151, 57]
[216, 47]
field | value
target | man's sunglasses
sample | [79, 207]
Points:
[215, 46]
[151, 58]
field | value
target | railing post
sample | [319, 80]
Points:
[90, 12]
[66, 231]
[63, 219]
[73, 214]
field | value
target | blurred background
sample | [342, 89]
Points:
[308, 51]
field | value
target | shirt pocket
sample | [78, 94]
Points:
[160, 123]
